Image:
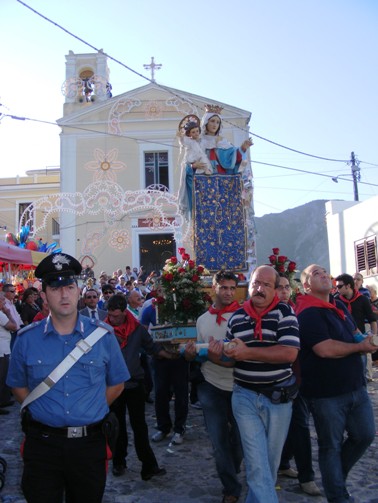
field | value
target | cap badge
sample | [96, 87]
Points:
[59, 261]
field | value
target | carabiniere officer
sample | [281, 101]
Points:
[65, 450]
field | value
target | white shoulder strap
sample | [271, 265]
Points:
[82, 347]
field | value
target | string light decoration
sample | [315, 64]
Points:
[119, 239]
[105, 165]
[74, 87]
[151, 109]
[120, 107]
[108, 199]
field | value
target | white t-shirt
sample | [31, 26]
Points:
[5, 335]
[220, 377]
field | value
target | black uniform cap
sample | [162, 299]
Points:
[58, 269]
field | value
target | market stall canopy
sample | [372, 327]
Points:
[14, 255]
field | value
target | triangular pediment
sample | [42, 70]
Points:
[151, 102]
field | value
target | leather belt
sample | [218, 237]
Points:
[67, 432]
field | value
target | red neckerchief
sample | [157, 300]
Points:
[348, 302]
[227, 309]
[123, 331]
[306, 301]
[250, 310]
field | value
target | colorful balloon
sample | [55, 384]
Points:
[31, 245]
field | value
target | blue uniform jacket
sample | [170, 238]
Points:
[78, 398]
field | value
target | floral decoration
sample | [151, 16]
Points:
[283, 265]
[119, 240]
[184, 298]
[105, 165]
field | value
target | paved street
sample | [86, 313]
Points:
[191, 473]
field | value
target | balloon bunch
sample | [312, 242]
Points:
[22, 241]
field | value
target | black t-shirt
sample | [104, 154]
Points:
[327, 377]
[362, 311]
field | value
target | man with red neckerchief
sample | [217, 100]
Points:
[132, 338]
[215, 391]
[333, 382]
[264, 344]
[357, 304]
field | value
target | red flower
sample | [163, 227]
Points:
[276, 251]
[200, 269]
[207, 298]
[181, 251]
[158, 300]
[168, 276]
[272, 259]
[185, 256]
[280, 268]
[291, 267]
[195, 278]
[181, 270]
[282, 259]
[191, 264]
[173, 260]
[186, 303]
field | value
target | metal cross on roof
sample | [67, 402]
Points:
[153, 66]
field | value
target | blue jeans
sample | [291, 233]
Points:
[224, 435]
[298, 442]
[263, 428]
[351, 413]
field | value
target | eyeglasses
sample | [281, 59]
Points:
[11, 291]
[340, 286]
[108, 291]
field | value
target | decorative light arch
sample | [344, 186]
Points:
[114, 204]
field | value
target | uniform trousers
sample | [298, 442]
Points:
[55, 465]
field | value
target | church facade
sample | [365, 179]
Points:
[120, 169]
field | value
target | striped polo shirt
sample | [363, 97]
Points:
[279, 326]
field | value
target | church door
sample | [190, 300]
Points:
[154, 250]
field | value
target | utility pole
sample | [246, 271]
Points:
[355, 174]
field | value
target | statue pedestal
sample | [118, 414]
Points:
[171, 336]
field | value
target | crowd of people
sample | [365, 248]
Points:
[258, 370]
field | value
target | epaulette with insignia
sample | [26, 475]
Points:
[28, 327]
[105, 325]
[99, 323]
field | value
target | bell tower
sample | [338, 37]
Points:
[87, 80]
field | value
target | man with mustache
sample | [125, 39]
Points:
[264, 344]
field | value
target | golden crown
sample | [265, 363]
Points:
[214, 109]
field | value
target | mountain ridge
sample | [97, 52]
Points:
[300, 233]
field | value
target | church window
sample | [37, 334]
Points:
[156, 169]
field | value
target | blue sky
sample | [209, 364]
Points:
[307, 70]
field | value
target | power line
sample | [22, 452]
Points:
[310, 172]
[298, 151]
[169, 89]
[369, 163]
[107, 133]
